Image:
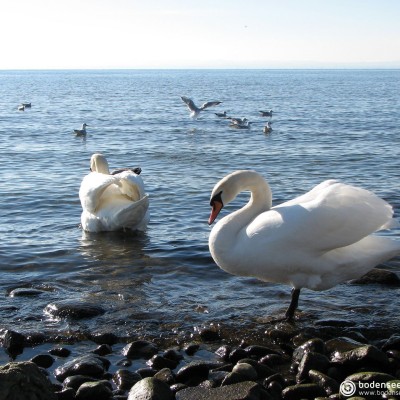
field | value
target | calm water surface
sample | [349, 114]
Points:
[327, 124]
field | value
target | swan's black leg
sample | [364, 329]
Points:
[293, 304]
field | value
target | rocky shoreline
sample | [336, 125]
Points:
[299, 360]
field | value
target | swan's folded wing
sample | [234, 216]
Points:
[131, 185]
[332, 215]
[133, 215]
[92, 187]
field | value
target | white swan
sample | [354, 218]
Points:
[112, 202]
[314, 241]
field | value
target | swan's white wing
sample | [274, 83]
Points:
[331, 215]
[92, 187]
[131, 185]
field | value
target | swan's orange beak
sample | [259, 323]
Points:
[216, 208]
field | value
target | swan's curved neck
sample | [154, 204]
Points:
[260, 201]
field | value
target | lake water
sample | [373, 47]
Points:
[341, 124]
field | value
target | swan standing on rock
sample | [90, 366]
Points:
[112, 202]
[315, 241]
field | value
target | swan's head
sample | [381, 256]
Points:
[98, 163]
[226, 191]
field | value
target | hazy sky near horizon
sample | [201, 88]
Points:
[47, 34]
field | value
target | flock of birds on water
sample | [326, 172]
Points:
[317, 240]
[236, 123]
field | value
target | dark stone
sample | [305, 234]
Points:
[370, 377]
[91, 365]
[329, 385]
[172, 354]
[259, 351]
[103, 350]
[311, 361]
[94, 390]
[24, 380]
[274, 359]
[150, 389]
[60, 352]
[238, 391]
[146, 372]
[261, 369]
[125, 379]
[73, 309]
[334, 322]
[364, 356]
[159, 362]
[232, 378]
[191, 349]
[380, 276]
[66, 394]
[165, 375]
[216, 377]
[43, 360]
[282, 332]
[193, 373]
[246, 370]
[75, 381]
[140, 349]
[209, 334]
[274, 377]
[237, 354]
[304, 391]
[393, 343]
[341, 345]
[177, 387]
[104, 338]
[25, 292]
[13, 342]
[315, 345]
[223, 352]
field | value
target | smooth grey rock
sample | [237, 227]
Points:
[246, 370]
[13, 342]
[311, 361]
[99, 390]
[24, 380]
[75, 381]
[328, 384]
[159, 362]
[25, 292]
[150, 389]
[239, 391]
[140, 349]
[125, 379]
[90, 365]
[363, 356]
[380, 276]
[193, 373]
[304, 391]
[259, 351]
[315, 345]
[393, 343]
[165, 375]
[74, 309]
[341, 344]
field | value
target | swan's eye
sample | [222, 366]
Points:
[217, 198]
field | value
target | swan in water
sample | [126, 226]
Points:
[194, 110]
[112, 202]
[82, 131]
[315, 241]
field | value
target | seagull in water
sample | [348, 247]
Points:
[82, 131]
[266, 113]
[194, 110]
[221, 115]
[267, 128]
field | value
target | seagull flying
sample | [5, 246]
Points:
[194, 110]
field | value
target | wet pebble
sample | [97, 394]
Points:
[73, 309]
[150, 388]
[43, 360]
[89, 365]
[25, 292]
[100, 390]
[140, 349]
[125, 379]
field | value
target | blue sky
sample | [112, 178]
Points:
[47, 34]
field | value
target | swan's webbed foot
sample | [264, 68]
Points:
[289, 315]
